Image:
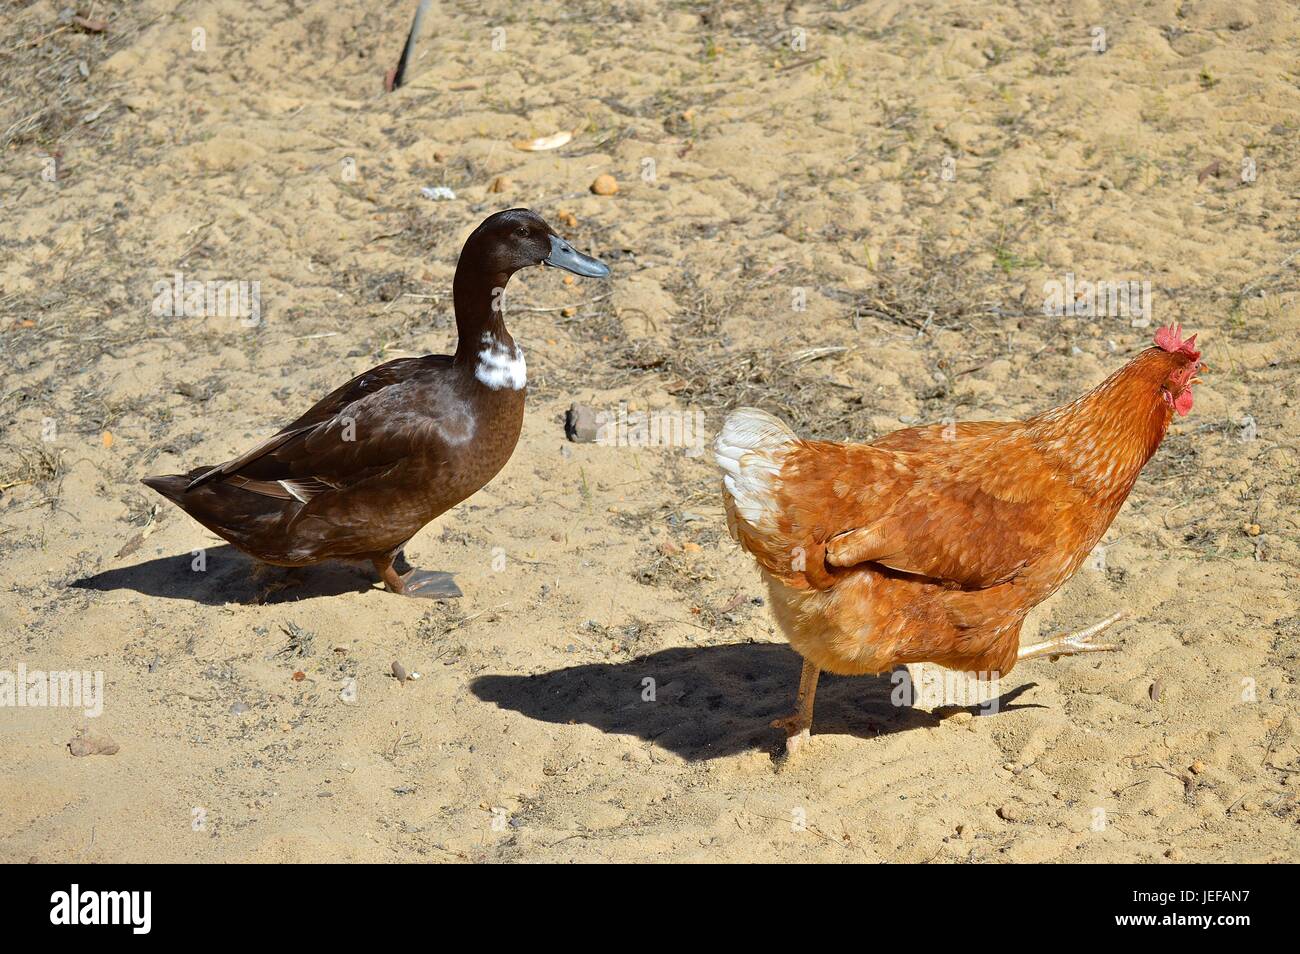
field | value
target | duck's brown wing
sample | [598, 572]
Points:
[354, 432]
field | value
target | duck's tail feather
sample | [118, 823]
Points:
[171, 486]
[239, 515]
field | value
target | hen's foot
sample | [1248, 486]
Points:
[795, 738]
[428, 584]
[1071, 644]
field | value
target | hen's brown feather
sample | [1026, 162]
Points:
[932, 544]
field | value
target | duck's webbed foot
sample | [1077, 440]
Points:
[429, 584]
[273, 579]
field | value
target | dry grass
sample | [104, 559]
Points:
[20, 466]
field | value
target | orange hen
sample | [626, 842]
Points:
[932, 544]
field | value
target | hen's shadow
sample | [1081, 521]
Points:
[229, 576]
[708, 701]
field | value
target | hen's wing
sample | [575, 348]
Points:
[975, 509]
[350, 435]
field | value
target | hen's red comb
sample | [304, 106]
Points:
[1170, 338]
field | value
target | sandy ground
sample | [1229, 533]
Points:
[915, 171]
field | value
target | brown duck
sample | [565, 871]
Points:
[370, 464]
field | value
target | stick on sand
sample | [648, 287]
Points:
[397, 77]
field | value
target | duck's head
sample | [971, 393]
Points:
[519, 238]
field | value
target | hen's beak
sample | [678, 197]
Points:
[565, 256]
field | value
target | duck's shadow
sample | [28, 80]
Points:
[224, 575]
[706, 702]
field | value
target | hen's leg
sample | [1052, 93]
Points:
[799, 725]
[430, 584]
[1070, 644]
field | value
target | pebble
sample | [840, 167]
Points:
[239, 708]
[580, 424]
[501, 184]
[605, 185]
[399, 671]
[1197, 767]
[91, 744]
[1010, 812]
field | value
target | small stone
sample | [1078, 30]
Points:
[1197, 767]
[568, 311]
[89, 743]
[580, 424]
[1173, 854]
[691, 547]
[399, 672]
[239, 708]
[605, 185]
[1010, 812]
[1253, 529]
[501, 184]
[1156, 690]
[960, 718]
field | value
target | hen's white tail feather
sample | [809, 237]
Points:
[751, 449]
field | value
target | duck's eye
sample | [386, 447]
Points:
[523, 230]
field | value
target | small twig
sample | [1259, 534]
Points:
[398, 75]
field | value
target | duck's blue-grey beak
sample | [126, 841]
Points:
[565, 256]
